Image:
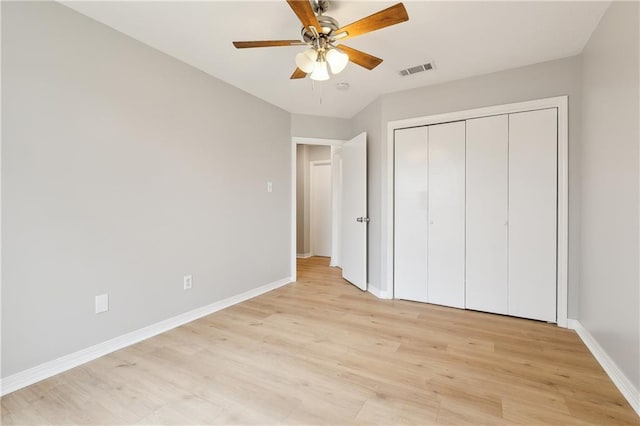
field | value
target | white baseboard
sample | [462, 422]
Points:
[303, 255]
[51, 368]
[380, 294]
[628, 390]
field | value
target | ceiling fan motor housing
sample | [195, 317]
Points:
[328, 26]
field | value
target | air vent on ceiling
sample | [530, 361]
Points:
[418, 68]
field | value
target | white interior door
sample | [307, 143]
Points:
[533, 147]
[320, 208]
[354, 211]
[446, 246]
[410, 214]
[486, 214]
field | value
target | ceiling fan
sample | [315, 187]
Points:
[322, 33]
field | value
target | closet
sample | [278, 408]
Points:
[487, 214]
[475, 214]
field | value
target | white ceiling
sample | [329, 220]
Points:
[462, 38]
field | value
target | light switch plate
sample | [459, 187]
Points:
[102, 303]
[269, 186]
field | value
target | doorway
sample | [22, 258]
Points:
[349, 220]
[313, 161]
[313, 202]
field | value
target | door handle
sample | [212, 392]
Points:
[362, 219]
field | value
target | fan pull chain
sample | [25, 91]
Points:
[313, 88]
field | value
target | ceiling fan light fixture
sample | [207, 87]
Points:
[320, 72]
[312, 54]
[321, 33]
[337, 59]
[306, 60]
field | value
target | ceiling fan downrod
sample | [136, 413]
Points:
[320, 6]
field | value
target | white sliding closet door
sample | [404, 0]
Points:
[445, 260]
[533, 143]
[410, 215]
[486, 214]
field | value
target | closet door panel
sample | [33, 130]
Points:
[446, 152]
[486, 214]
[532, 214]
[410, 214]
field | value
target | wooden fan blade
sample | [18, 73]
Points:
[298, 73]
[363, 59]
[266, 43]
[304, 12]
[387, 17]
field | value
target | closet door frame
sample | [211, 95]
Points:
[561, 103]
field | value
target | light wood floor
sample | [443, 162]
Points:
[320, 351]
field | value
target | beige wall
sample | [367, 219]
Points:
[610, 282]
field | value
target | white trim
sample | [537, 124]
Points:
[622, 382]
[563, 212]
[51, 368]
[1, 177]
[479, 112]
[560, 102]
[293, 272]
[336, 205]
[295, 141]
[316, 141]
[380, 294]
[303, 255]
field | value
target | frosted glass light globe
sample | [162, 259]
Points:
[320, 72]
[306, 60]
[337, 60]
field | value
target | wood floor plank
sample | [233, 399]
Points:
[320, 351]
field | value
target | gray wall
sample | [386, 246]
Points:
[123, 170]
[609, 296]
[311, 126]
[306, 154]
[554, 78]
[302, 156]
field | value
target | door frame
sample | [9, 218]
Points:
[295, 141]
[559, 102]
[311, 165]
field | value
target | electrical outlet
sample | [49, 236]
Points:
[102, 303]
[269, 186]
[188, 282]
